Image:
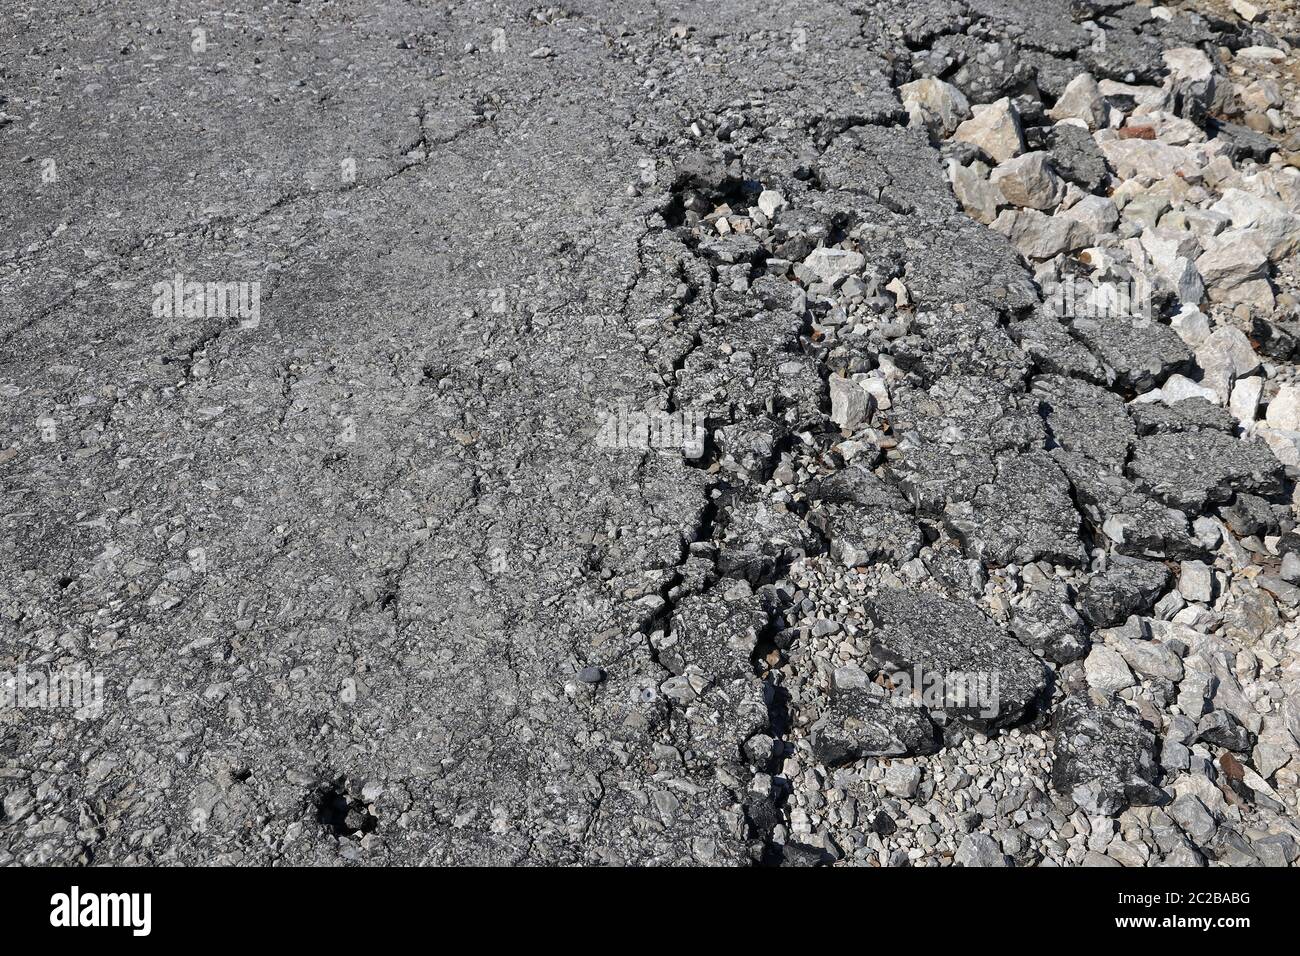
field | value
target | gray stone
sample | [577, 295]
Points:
[1232, 849]
[1192, 325]
[1082, 100]
[1028, 181]
[1094, 858]
[1150, 659]
[1194, 818]
[902, 780]
[978, 197]
[1174, 756]
[1182, 729]
[1276, 849]
[995, 129]
[833, 265]
[867, 723]
[1243, 404]
[979, 849]
[850, 403]
[1196, 581]
[1251, 616]
[1104, 756]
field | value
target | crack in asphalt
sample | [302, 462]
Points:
[652, 674]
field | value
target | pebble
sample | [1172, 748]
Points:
[1196, 582]
[995, 129]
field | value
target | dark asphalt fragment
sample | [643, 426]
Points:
[1047, 622]
[1076, 156]
[1134, 522]
[1190, 470]
[1190, 414]
[1085, 418]
[1141, 354]
[953, 645]
[1129, 586]
[1105, 757]
[869, 723]
[1025, 514]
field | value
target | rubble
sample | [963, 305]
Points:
[881, 453]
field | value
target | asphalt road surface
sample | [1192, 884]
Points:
[504, 434]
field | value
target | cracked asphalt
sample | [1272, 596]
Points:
[367, 573]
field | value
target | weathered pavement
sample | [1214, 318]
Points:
[365, 581]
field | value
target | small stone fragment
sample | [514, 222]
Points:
[995, 129]
[850, 403]
[867, 723]
[1028, 181]
[1082, 100]
[1105, 757]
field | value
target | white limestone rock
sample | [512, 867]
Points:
[1284, 443]
[978, 197]
[1188, 63]
[1271, 225]
[1039, 236]
[1148, 159]
[1170, 259]
[1244, 403]
[995, 129]
[1192, 326]
[1028, 181]
[1284, 410]
[1225, 356]
[1081, 100]
[1095, 213]
[1231, 259]
[1178, 387]
[833, 265]
[936, 105]
[1106, 670]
